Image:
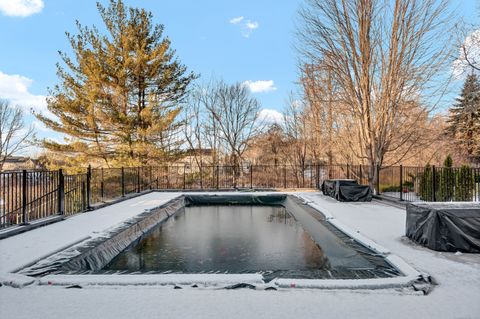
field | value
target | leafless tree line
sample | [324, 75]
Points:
[222, 118]
[375, 65]
[14, 135]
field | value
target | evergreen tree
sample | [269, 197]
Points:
[426, 190]
[119, 95]
[464, 184]
[447, 181]
[464, 120]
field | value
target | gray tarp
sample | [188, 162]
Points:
[346, 190]
[445, 226]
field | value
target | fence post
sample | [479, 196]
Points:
[284, 176]
[138, 179]
[61, 193]
[24, 197]
[360, 174]
[251, 176]
[218, 177]
[184, 177]
[401, 182]
[102, 190]
[377, 182]
[151, 177]
[83, 194]
[123, 181]
[201, 175]
[89, 176]
[168, 176]
[348, 171]
[434, 197]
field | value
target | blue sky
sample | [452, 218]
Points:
[206, 35]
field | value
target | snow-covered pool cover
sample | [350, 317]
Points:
[82, 256]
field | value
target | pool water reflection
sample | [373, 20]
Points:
[226, 239]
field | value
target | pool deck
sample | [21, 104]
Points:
[457, 275]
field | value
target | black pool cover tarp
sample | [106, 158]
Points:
[445, 226]
[234, 199]
[346, 190]
[347, 259]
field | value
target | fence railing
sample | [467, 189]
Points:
[26, 196]
[430, 183]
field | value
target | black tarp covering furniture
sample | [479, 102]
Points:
[445, 226]
[346, 190]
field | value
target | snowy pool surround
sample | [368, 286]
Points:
[96, 253]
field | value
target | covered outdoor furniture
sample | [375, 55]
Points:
[445, 226]
[346, 190]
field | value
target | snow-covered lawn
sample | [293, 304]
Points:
[456, 296]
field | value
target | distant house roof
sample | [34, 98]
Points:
[17, 159]
[199, 151]
[13, 163]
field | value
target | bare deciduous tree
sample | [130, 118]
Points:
[201, 129]
[224, 118]
[468, 43]
[236, 114]
[295, 127]
[14, 137]
[319, 89]
[383, 55]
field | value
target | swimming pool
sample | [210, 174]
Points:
[227, 239]
[277, 236]
[242, 239]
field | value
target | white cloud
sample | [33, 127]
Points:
[270, 116]
[251, 25]
[15, 89]
[236, 20]
[471, 45]
[260, 86]
[246, 26]
[21, 8]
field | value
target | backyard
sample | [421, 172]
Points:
[240, 159]
[454, 294]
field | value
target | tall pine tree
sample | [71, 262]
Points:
[464, 120]
[119, 95]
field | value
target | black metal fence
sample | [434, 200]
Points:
[430, 183]
[26, 196]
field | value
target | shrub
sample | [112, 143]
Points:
[447, 181]
[464, 184]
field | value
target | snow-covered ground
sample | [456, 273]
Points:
[456, 296]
